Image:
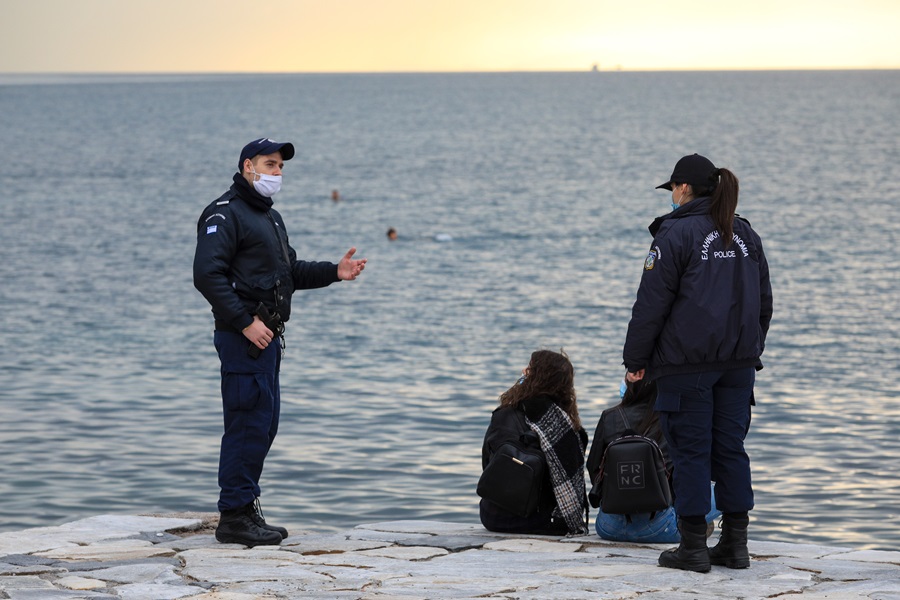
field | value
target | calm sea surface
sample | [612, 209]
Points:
[522, 202]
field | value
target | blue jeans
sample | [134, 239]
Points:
[661, 529]
[251, 403]
[705, 418]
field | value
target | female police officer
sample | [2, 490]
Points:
[698, 327]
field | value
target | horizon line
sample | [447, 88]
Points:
[616, 69]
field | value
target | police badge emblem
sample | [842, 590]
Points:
[651, 261]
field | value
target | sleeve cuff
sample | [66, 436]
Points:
[243, 322]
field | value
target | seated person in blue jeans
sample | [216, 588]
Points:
[661, 527]
[539, 414]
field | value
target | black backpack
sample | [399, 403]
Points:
[513, 479]
[633, 477]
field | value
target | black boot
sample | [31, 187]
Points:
[731, 551]
[255, 512]
[691, 554]
[238, 527]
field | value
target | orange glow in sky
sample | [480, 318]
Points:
[59, 36]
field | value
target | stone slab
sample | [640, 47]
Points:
[330, 544]
[878, 556]
[125, 549]
[87, 531]
[136, 573]
[74, 582]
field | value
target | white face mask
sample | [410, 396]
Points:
[267, 185]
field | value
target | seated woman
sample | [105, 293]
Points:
[539, 414]
[661, 527]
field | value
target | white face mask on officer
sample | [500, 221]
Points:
[266, 185]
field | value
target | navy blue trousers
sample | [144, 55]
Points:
[705, 418]
[251, 403]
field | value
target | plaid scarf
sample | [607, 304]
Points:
[565, 456]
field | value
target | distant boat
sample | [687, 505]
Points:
[595, 67]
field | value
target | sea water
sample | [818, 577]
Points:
[521, 201]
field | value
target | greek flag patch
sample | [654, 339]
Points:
[211, 229]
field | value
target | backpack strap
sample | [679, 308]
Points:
[618, 435]
[645, 433]
[621, 412]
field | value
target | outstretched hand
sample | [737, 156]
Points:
[350, 268]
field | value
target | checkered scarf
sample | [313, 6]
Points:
[565, 456]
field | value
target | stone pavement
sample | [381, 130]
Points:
[167, 557]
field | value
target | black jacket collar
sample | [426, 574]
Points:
[697, 206]
[249, 195]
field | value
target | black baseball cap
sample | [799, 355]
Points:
[265, 146]
[695, 170]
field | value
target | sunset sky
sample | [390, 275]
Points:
[167, 36]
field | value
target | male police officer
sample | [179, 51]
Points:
[247, 270]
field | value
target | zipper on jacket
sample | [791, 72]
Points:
[284, 249]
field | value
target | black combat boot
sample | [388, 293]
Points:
[255, 511]
[238, 527]
[731, 551]
[691, 554]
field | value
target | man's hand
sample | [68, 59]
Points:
[350, 268]
[260, 335]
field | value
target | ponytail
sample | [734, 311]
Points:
[724, 204]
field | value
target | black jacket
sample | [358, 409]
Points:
[700, 306]
[243, 258]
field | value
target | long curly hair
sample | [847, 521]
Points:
[549, 373]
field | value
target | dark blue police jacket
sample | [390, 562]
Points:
[243, 258]
[701, 306]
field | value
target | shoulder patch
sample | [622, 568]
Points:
[654, 256]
